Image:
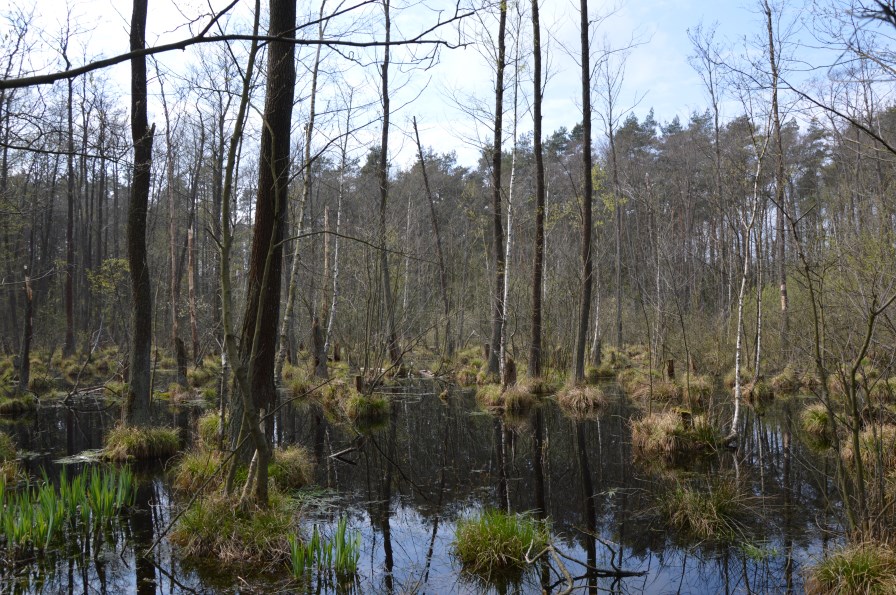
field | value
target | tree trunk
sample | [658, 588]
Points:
[392, 346]
[587, 282]
[137, 405]
[538, 265]
[498, 230]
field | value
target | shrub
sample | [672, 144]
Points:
[292, 467]
[809, 382]
[860, 568]
[581, 400]
[496, 541]
[705, 512]
[126, 443]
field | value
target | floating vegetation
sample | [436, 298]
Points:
[128, 443]
[339, 554]
[497, 541]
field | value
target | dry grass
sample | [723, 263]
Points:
[581, 399]
[877, 446]
[127, 443]
[815, 422]
[193, 468]
[758, 393]
[666, 391]
[670, 432]
[698, 390]
[292, 467]
[786, 382]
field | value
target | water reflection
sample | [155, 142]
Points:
[404, 484]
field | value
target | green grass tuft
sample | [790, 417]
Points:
[126, 443]
[705, 512]
[292, 467]
[208, 427]
[864, 568]
[497, 541]
[194, 468]
[582, 399]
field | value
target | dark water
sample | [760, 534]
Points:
[433, 461]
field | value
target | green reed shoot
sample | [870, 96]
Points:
[339, 554]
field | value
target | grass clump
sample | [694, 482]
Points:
[666, 391]
[672, 432]
[786, 382]
[730, 377]
[877, 447]
[581, 399]
[698, 389]
[367, 407]
[516, 399]
[292, 467]
[219, 528]
[199, 377]
[815, 422]
[208, 428]
[128, 443]
[594, 374]
[194, 468]
[17, 404]
[758, 393]
[861, 568]
[489, 395]
[9, 467]
[40, 384]
[884, 390]
[497, 541]
[705, 512]
[339, 554]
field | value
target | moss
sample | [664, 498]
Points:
[292, 467]
[218, 528]
[864, 568]
[581, 400]
[194, 468]
[496, 541]
[705, 511]
[127, 443]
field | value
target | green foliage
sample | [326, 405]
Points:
[863, 568]
[497, 541]
[339, 554]
[33, 518]
[127, 443]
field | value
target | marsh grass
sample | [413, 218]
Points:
[713, 511]
[208, 428]
[698, 389]
[193, 468]
[786, 382]
[672, 432]
[758, 393]
[816, 423]
[218, 528]
[17, 404]
[128, 443]
[339, 554]
[36, 516]
[877, 447]
[292, 467]
[665, 391]
[594, 374]
[863, 568]
[581, 399]
[496, 541]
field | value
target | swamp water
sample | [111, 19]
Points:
[405, 482]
